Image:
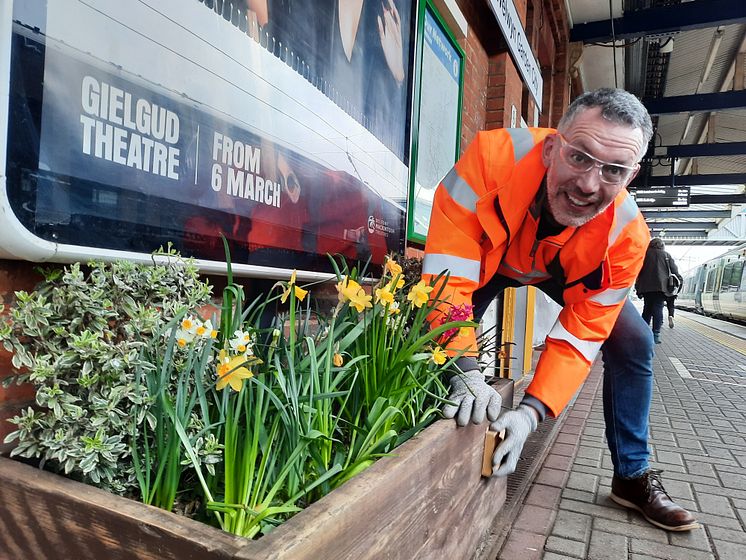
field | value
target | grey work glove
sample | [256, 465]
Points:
[472, 398]
[518, 424]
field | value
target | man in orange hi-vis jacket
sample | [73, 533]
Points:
[549, 208]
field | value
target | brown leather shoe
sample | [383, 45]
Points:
[647, 495]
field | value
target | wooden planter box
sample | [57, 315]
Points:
[427, 500]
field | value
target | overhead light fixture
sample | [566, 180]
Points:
[667, 46]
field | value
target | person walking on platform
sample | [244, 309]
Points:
[658, 281]
[549, 208]
[671, 308]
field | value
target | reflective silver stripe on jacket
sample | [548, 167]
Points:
[435, 263]
[586, 348]
[611, 296]
[460, 191]
[625, 213]
[521, 276]
[523, 142]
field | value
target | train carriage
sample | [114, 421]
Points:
[718, 287]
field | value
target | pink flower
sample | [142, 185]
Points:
[461, 312]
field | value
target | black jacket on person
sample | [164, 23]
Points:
[654, 274]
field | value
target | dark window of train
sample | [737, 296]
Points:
[725, 283]
[735, 278]
[690, 285]
[710, 280]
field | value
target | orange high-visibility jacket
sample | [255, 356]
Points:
[484, 221]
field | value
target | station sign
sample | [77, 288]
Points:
[663, 197]
[515, 36]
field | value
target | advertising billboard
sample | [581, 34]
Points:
[281, 125]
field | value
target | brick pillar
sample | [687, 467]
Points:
[561, 84]
[475, 87]
[14, 276]
[545, 119]
[504, 89]
[521, 7]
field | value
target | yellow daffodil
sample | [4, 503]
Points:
[394, 308]
[464, 331]
[231, 372]
[384, 296]
[183, 337]
[361, 301]
[242, 337]
[392, 287]
[337, 360]
[393, 267]
[205, 330]
[300, 293]
[351, 291]
[418, 295]
[439, 356]
[347, 289]
[189, 324]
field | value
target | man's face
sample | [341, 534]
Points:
[576, 196]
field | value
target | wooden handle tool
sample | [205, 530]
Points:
[491, 441]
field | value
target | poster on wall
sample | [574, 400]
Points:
[439, 125]
[280, 125]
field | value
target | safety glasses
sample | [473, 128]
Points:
[582, 162]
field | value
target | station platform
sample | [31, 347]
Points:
[698, 426]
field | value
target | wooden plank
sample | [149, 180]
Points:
[44, 515]
[428, 497]
[425, 499]
[467, 525]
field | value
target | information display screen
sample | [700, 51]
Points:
[663, 197]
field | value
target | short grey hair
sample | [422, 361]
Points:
[616, 105]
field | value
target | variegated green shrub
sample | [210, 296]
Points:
[78, 338]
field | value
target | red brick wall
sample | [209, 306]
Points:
[505, 90]
[14, 276]
[475, 89]
[492, 83]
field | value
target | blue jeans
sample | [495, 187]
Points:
[653, 309]
[627, 383]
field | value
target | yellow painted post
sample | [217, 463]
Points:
[528, 346]
[508, 326]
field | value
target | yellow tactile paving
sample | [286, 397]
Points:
[727, 340]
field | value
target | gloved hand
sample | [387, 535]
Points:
[518, 424]
[472, 398]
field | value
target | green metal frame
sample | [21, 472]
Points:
[415, 128]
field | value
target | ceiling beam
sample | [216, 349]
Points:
[696, 103]
[685, 214]
[691, 180]
[703, 150]
[669, 19]
[683, 226]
